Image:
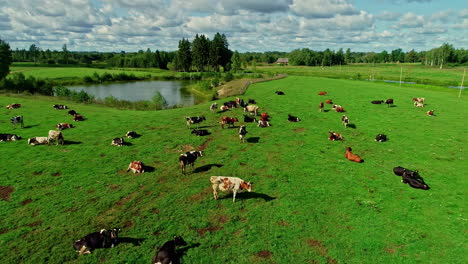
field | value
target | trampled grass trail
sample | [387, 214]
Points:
[309, 204]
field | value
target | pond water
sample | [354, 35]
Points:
[175, 92]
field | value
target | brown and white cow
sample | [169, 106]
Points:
[229, 121]
[77, 117]
[13, 106]
[335, 136]
[62, 126]
[118, 142]
[136, 166]
[229, 184]
[56, 136]
[320, 106]
[419, 100]
[430, 113]
[418, 104]
[38, 141]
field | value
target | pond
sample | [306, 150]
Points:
[175, 92]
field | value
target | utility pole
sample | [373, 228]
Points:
[401, 73]
[463, 80]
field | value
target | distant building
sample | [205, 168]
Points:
[284, 61]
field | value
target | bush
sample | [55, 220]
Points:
[228, 77]
[159, 101]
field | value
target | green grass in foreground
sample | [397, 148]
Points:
[325, 208]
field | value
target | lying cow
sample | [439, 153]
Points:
[77, 117]
[329, 101]
[62, 126]
[345, 121]
[118, 142]
[13, 106]
[131, 134]
[251, 109]
[251, 101]
[420, 100]
[136, 167]
[229, 121]
[72, 112]
[418, 104]
[263, 123]
[335, 136]
[60, 107]
[9, 137]
[249, 119]
[381, 138]
[55, 136]
[200, 132]
[17, 120]
[352, 157]
[400, 171]
[229, 184]
[224, 108]
[242, 133]
[339, 109]
[230, 104]
[293, 118]
[377, 102]
[194, 120]
[322, 93]
[279, 93]
[213, 107]
[189, 158]
[102, 239]
[38, 141]
[167, 253]
[430, 113]
[411, 177]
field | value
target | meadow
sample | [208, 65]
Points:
[308, 205]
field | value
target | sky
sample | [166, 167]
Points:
[249, 25]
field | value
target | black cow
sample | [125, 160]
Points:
[132, 134]
[9, 137]
[415, 182]
[230, 104]
[293, 118]
[60, 107]
[279, 93]
[389, 102]
[242, 103]
[17, 120]
[249, 119]
[201, 132]
[400, 171]
[381, 138]
[167, 253]
[251, 101]
[118, 142]
[102, 239]
[189, 158]
[377, 102]
[194, 120]
[72, 112]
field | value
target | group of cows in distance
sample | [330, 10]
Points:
[167, 252]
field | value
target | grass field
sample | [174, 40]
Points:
[309, 204]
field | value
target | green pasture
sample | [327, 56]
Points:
[309, 204]
[412, 72]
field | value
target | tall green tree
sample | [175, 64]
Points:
[200, 52]
[5, 59]
[34, 52]
[235, 61]
[184, 56]
[66, 53]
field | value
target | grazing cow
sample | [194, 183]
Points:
[229, 184]
[418, 104]
[381, 138]
[430, 113]
[320, 106]
[62, 126]
[102, 239]
[263, 123]
[335, 136]
[279, 93]
[377, 102]
[329, 101]
[9, 137]
[229, 121]
[77, 117]
[322, 93]
[389, 102]
[200, 132]
[117, 142]
[230, 104]
[352, 157]
[189, 158]
[136, 166]
[293, 118]
[60, 107]
[411, 177]
[72, 112]
[242, 133]
[213, 107]
[345, 121]
[13, 106]
[131, 134]
[56, 136]
[249, 119]
[251, 101]
[194, 120]
[251, 109]
[38, 141]
[17, 120]
[167, 253]
[420, 100]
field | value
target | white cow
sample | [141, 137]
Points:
[38, 141]
[229, 184]
[251, 109]
[56, 136]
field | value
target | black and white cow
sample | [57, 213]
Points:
[400, 171]
[60, 107]
[249, 119]
[102, 239]
[381, 138]
[189, 158]
[201, 132]
[72, 112]
[292, 118]
[251, 101]
[242, 133]
[213, 107]
[131, 134]
[9, 137]
[167, 253]
[17, 120]
[345, 121]
[118, 142]
[194, 120]
[230, 104]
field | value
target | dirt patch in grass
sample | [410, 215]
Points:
[36, 173]
[56, 174]
[128, 224]
[205, 144]
[205, 193]
[393, 249]
[114, 186]
[243, 164]
[321, 249]
[5, 192]
[212, 229]
[4, 231]
[283, 223]
[123, 172]
[301, 129]
[34, 224]
[186, 148]
[25, 202]
[155, 211]
[266, 254]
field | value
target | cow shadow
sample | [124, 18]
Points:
[250, 195]
[131, 240]
[253, 139]
[127, 144]
[326, 111]
[149, 168]
[70, 142]
[207, 167]
[30, 126]
[352, 126]
[392, 106]
[204, 126]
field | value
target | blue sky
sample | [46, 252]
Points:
[250, 25]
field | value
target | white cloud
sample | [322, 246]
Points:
[443, 16]
[322, 8]
[411, 20]
[261, 6]
[362, 21]
[461, 25]
[463, 13]
[388, 16]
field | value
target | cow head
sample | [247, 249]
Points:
[179, 241]
[246, 186]
[199, 153]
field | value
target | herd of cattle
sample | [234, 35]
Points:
[167, 252]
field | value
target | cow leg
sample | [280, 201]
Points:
[215, 193]
[84, 250]
[234, 196]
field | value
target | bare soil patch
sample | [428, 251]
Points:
[34, 224]
[205, 144]
[321, 249]
[266, 254]
[128, 224]
[56, 174]
[37, 173]
[5, 192]
[212, 229]
[25, 202]
[301, 129]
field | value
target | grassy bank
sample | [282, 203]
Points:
[309, 205]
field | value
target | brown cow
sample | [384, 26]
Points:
[352, 157]
[322, 93]
[229, 121]
[136, 166]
